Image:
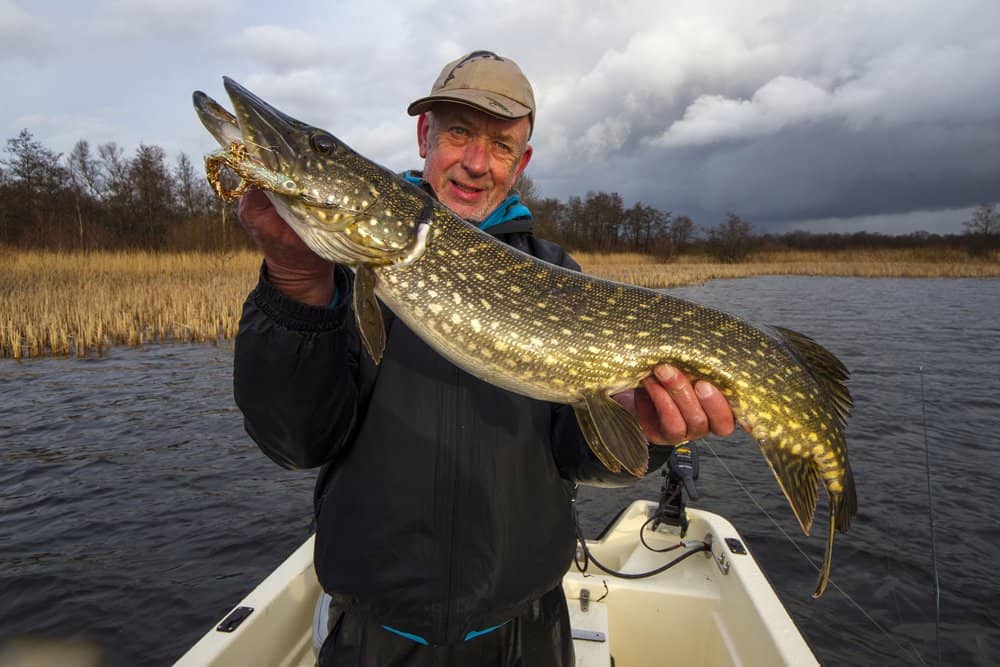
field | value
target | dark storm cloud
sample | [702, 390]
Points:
[825, 171]
[778, 110]
[805, 173]
[880, 110]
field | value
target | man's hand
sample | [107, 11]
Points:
[292, 267]
[671, 410]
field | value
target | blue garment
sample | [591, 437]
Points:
[472, 634]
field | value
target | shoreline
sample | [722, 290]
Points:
[642, 270]
[75, 304]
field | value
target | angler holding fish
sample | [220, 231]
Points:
[449, 412]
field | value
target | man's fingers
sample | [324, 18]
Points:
[638, 403]
[667, 415]
[670, 409]
[649, 421]
[716, 407]
[693, 417]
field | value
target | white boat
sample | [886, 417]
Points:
[715, 607]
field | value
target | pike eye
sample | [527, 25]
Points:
[324, 144]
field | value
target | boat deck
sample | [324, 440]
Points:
[716, 608]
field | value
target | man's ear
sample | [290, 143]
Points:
[423, 131]
[525, 159]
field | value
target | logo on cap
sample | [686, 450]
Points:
[475, 55]
[494, 102]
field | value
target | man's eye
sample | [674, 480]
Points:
[502, 147]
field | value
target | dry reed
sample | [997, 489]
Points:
[644, 270]
[71, 304]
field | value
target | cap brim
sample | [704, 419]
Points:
[491, 103]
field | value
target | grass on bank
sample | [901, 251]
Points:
[70, 304]
[55, 303]
[646, 271]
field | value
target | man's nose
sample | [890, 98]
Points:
[475, 158]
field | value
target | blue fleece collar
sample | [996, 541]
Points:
[510, 208]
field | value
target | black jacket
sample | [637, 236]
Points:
[442, 507]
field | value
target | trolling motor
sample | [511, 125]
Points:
[678, 480]
[679, 475]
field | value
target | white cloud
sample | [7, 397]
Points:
[135, 20]
[22, 36]
[391, 144]
[906, 85]
[65, 129]
[608, 134]
[690, 74]
[306, 94]
[780, 102]
[281, 47]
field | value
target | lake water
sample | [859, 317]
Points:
[134, 512]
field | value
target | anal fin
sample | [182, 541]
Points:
[613, 434]
[798, 478]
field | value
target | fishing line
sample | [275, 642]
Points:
[930, 515]
[809, 560]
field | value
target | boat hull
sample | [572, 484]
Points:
[714, 608]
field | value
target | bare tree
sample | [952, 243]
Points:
[194, 195]
[34, 182]
[116, 190]
[681, 231]
[154, 197]
[602, 219]
[639, 224]
[982, 232]
[730, 241]
[985, 220]
[84, 174]
[527, 189]
[548, 213]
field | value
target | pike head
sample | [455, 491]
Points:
[346, 208]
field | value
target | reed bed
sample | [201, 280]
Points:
[77, 303]
[646, 271]
[72, 304]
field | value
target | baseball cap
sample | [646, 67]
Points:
[485, 81]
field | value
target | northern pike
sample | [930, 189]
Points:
[531, 327]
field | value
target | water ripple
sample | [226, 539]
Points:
[135, 511]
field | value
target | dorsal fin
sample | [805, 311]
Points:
[826, 369]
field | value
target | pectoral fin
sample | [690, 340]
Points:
[368, 313]
[613, 434]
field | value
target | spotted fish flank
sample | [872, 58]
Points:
[531, 327]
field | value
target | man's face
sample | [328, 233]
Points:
[472, 159]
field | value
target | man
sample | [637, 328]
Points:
[443, 520]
